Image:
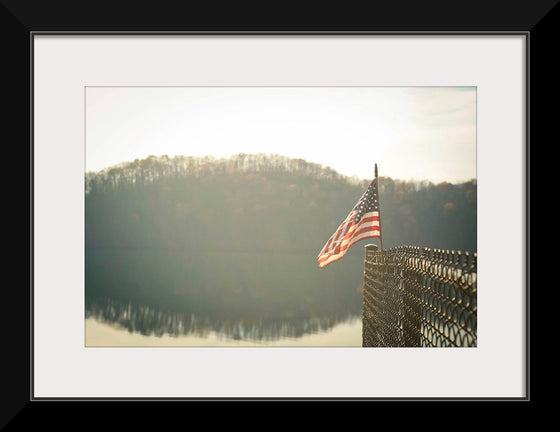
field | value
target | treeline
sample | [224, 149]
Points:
[154, 168]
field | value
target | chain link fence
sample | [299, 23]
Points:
[419, 297]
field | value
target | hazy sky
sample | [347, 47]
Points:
[422, 133]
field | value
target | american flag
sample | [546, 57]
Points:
[361, 223]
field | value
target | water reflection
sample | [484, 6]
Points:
[250, 296]
[151, 321]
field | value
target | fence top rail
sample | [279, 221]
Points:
[451, 266]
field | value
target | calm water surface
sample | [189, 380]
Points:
[103, 334]
[169, 298]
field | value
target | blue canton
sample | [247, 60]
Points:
[368, 203]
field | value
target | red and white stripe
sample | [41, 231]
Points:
[347, 234]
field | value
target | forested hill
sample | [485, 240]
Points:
[267, 203]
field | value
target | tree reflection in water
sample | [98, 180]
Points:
[151, 321]
[243, 296]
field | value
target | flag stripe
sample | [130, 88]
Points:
[344, 248]
[361, 223]
[334, 237]
[369, 220]
[327, 258]
[355, 229]
[363, 229]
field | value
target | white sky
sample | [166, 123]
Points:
[422, 133]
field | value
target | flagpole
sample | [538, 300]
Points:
[379, 208]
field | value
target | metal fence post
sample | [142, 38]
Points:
[369, 328]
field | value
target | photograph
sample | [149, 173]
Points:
[280, 216]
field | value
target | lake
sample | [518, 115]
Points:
[144, 297]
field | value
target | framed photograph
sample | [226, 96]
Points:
[188, 189]
[206, 199]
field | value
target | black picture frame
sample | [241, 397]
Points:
[20, 20]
